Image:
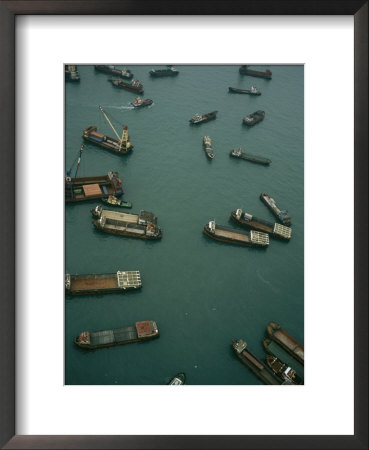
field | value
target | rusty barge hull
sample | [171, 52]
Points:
[110, 283]
[286, 341]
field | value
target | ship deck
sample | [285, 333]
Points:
[117, 336]
[85, 284]
[120, 216]
[261, 226]
[231, 235]
[139, 229]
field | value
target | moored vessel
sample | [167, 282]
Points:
[238, 153]
[113, 201]
[169, 72]
[71, 73]
[112, 70]
[142, 225]
[201, 118]
[254, 118]
[207, 147]
[282, 216]
[134, 86]
[282, 370]
[286, 341]
[239, 237]
[275, 230]
[244, 70]
[106, 283]
[92, 188]
[252, 91]
[177, 380]
[141, 331]
[139, 102]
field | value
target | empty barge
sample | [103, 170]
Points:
[282, 216]
[91, 188]
[238, 237]
[244, 70]
[142, 225]
[141, 331]
[252, 91]
[106, 283]
[275, 230]
[238, 153]
[287, 342]
[252, 362]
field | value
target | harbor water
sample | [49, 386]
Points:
[201, 293]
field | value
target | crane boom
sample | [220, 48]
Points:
[107, 119]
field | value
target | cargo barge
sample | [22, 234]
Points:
[122, 147]
[238, 153]
[282, 216]
[252, 91]
[71, 73]
[179, 379]
[283, 371]
[207, 147]
[141, 331]
[253, 363]
[169, 72]
[275, 230]
[92, 188]
[238, 237]
[254, 118]
[106, 283]
[112, 70]
[142, 225]
[255, 73]
[202, 118]
[134, 86]
[286, 341]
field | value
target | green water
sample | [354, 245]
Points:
[202, 293]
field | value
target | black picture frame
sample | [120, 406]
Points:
[8, 11]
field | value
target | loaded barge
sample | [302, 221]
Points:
[141, 331]
[170, 72]
[287, 342]
[254, 118]
[252, 362]
[106, 283]
[142, 225]
[135, 86]
[124, 73]
[202, 118]
[92, 188]
[238, 153]
[252, 91]
[207, 147]
[255, 73]
[282, 216]
[238, 237]
[283, 371]
[275, 230]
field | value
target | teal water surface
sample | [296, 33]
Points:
[201, 293]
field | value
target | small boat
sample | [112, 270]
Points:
[254, 118]
[139, 103]
[170, 72]
[282, 370]
[113, 201]
[282, 216]
[252, 91]
[238, 153]
[180, 378]
[134, 86]
[201, 118]
[207, 147]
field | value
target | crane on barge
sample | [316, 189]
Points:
[122, 139]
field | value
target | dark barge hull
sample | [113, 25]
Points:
[124, 151]
[102, 181]
[206, 118]
[228, 241]
[96, 284]
[286, 220]
[164, 73]
[286, 341]
[256, 118]
[231, 240]
[126, 233]
[253, 158]
[243, 91]
[128, 87]
[114, 71]
[255, 73]
[258, 225]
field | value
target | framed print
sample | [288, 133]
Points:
[44, 380]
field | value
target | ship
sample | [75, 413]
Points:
[254, 118]
[238, 153]
[141, 331]
[252, 91]
[106, 283]
[142, 225]
[134, 86]
[274, 349]
[92, 188]
[169, 72]
[253, 363]
[239, 237]
[71, 73]
[121, 146]
[287, 342]
[112, 70]
[179, 379]
[275, 230]
[201, 118]
[244, 70]
[207, 147]
[282, 370]
[139, 103]
[282, 216]
[113, 201]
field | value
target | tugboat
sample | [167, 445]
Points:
[113, 201]
[255, 73]
[139, 103]
[238, 237]
[179, 379]
[124, 73]
[252, 91]
[207, 147]
[283, 371]
[170, 72]
[71, 73]
[201, 118]
[238, 153]
[134, 86]
[254, 118]
[282, 216]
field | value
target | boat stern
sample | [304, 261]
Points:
[83, 339]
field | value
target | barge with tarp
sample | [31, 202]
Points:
[71, 73]
[239, 237]
[169, 72]
[202, 118]
[142, 225]
[112, 70]
[253, 363]
[238, 153]
[244, 70]
[252, 91]
[141, 331]
[283, 371]
[282, 216]
[249, 221]
[254, 118]
[134, 86]
[105, 283]
[92, 188]
[207, 147]
[286, 341]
